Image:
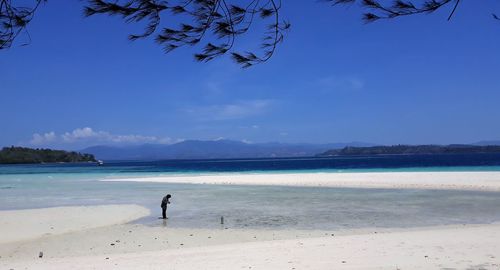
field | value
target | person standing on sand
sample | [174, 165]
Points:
[164, 202]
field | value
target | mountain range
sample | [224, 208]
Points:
[218, 149]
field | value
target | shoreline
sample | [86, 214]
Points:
[133, 246]
[477, 181]
[102, 237]
[27, 224]
[117, 244]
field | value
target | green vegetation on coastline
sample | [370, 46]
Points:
[24, 155]
[412, 149]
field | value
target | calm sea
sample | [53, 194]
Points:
[46, 185]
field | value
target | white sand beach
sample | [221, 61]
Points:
[486, 181]
[101, 237]
[133, 246]
[19, 225]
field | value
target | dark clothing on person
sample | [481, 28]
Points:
[164, 203]
[164, 212]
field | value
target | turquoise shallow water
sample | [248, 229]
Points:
[250, 206]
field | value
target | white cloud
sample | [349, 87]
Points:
[231, 111]
[82, 134]
[89, 136]
[42, 139]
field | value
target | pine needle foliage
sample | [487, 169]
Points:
[377, 10]
[212, 25]
[14, 19]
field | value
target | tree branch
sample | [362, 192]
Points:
[14, 20]
[217, 23]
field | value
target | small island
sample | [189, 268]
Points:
[24, 155]
[412, 150]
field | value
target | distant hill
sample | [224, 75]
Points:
[196, 149]
[22, 155]
[412, 149]
[487, 143]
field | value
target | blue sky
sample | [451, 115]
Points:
[412, 80]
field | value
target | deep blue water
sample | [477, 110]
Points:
[444, 162]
